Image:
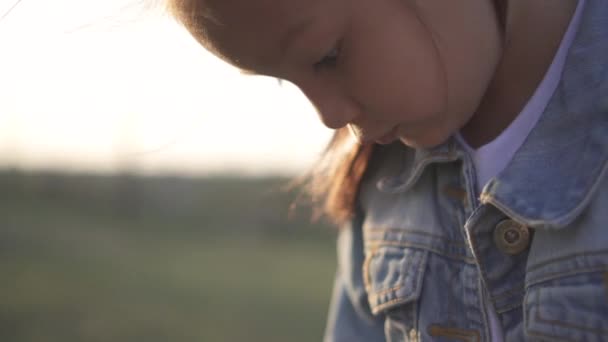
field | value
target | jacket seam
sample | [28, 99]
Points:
[379, 243]
[566, 257]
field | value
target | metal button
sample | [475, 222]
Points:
[511, 237]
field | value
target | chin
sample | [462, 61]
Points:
[424, 142]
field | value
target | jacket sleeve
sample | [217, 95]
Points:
[350, 318]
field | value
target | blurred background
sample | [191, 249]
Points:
[142, 185]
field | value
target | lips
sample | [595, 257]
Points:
[365, 137]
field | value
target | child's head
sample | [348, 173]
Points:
[413, 70]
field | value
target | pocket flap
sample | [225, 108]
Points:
[393, 276]
[574, 310]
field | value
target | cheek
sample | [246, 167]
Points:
[425, 135]
[399, 76]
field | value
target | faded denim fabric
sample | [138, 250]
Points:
[422, 258]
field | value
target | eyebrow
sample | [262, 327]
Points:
[293, 32]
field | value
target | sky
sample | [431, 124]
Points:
[103, 86]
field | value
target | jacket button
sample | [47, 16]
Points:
[511, 237]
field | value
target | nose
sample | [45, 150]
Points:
[335, 109]
[337, 114]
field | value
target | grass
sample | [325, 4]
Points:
[75, 274]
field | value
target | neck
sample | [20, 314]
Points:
[534, 31]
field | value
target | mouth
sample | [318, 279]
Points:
[387, 138]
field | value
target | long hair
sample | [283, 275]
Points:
[333, 183]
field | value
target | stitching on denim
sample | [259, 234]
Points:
[606, 282]
[415, 333]
[385, 291]
[476, 253]
[392, 325]
[509, 308]
[537, 333]
[420, 263]
[590, 192]
[547, 337]
[455, 333]
[520, 288]
[562, 323]
[379, 243]
[454, 192]
[415, 232]
[488, 198]
[479, 308]
[380, 307]
[483, 274]
[383, 306]
[419, 276]
[554, 275]
[421, 164]
[566, 257]
[367, 278]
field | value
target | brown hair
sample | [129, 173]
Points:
[333, 183]
[198, 17]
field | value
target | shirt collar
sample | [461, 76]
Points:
[555, 172]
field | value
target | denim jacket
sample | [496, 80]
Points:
[424, 257]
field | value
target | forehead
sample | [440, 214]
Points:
[251, 31]
[257, 9]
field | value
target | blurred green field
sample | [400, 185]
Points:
[91, 258]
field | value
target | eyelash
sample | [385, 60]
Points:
[330, 60]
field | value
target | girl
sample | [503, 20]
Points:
[474, 203]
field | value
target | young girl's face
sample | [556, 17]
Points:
[413, 70]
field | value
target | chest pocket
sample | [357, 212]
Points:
[569, 306]
[393, 278]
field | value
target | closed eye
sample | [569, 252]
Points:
[330, 60]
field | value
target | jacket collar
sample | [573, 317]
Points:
[554, 174]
